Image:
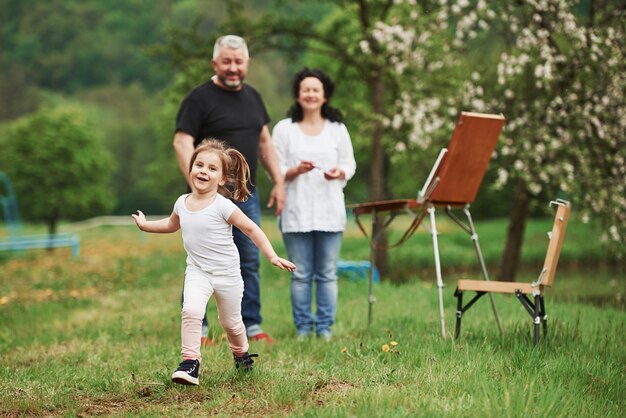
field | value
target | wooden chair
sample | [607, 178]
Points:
[536, 308]
[453, 182]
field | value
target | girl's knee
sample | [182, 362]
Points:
[193, 312]
[232, 327]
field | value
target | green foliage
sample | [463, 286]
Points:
[134, 127]
[59, 167]
[17, 97]
[162, 180]
[106, 39]
[115, 57]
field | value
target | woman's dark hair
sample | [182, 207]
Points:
[328, 112]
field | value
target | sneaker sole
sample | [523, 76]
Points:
[183, 378]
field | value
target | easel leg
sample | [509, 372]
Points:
[483, 267]
[371, 298]
[459, 312]
[433, 232]
[373, 246]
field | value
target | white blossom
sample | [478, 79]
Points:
[365, 47]
[564, 126]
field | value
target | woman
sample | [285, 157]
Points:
[316, 157]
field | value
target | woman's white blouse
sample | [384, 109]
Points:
[314, 203]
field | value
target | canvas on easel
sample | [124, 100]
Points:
[453, 181]
[464, 166]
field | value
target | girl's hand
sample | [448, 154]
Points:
[283, 264]
[140, 219]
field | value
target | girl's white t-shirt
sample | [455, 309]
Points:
[314, 203]
[207, 236]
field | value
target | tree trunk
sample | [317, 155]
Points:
[52, 230]
[515, 233]
[377, 175]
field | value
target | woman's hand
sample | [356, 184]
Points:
[305, 166]
[335, 173]
[283, 264]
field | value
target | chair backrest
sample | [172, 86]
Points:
[556, 242]
[468, 154]
[10, 209]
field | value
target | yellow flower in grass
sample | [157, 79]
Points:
[393, 343]
[385, 348]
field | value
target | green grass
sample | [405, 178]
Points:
[101, 336]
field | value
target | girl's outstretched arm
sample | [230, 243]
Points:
[162, 226]
[256, 234]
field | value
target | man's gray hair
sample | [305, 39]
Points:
[230, 42]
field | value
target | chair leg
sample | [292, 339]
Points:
[459, 312]
[532, 309]
[544, 317]
[460, 309]
[536, 319]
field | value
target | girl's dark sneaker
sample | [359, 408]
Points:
[244, 362]
[187, 373]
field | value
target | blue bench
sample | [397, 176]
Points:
[29, 242]
[16, 241]
[356, 269]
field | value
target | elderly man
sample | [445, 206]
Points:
[227, 109]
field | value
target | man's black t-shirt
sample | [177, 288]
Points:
[235, 117]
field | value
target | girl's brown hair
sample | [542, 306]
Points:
[234, 166]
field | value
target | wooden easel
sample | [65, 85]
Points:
[453, 182]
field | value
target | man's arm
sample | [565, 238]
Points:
[269, 159]
[183, 146]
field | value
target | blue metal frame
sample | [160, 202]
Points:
[16, 241]
[356, 269]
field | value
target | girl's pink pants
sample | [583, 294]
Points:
[228, 290]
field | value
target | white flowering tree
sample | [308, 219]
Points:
[410, 66]
[561, 84]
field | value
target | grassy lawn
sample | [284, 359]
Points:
[101, 336]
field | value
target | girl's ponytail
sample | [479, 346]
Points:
[238, 175]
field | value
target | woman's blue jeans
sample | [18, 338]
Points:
[315, 254]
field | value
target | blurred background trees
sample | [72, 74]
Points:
[403, 69]
[58, 166]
